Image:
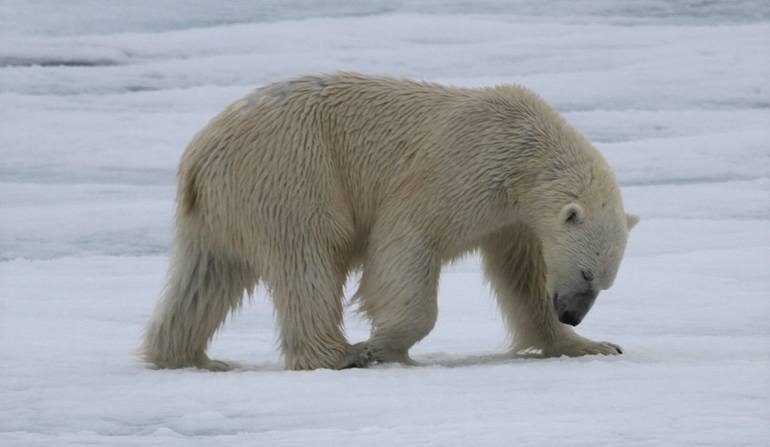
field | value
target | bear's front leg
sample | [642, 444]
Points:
[515, 269]
[398, 293]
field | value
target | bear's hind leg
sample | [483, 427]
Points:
[201, 290]
[306, 289]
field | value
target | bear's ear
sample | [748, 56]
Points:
[572, 214]
[631, 220]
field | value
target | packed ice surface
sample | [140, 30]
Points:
[97, 102]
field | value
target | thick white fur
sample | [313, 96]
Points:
[303, 181]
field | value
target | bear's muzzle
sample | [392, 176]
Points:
[572, 308]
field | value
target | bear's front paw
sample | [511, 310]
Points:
[214, 365]
[364, 354]
[358, 356]
[575, 347]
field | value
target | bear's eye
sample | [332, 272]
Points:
[572, 217]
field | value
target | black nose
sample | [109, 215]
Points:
[570, 318]
[587, 275]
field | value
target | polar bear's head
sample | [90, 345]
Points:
[583, 248]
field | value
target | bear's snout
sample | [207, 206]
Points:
[570, 318]
[571, 308]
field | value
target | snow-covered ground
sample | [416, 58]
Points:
[97, 102]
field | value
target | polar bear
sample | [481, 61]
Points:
[303, 181]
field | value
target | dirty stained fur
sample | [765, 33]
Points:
[303, 181]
